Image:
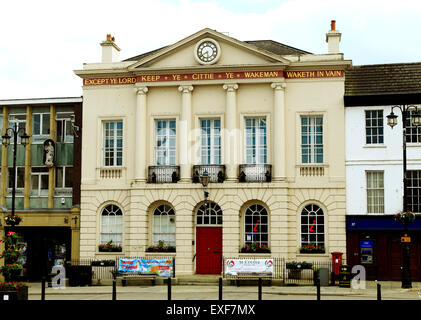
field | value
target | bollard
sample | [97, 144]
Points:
[114, 290]
[43, 288]
[332, 274]
[169, 288]
[220, 289]
[260, 289]
[379, 292]
[318, 288]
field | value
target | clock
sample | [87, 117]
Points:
[207, 51]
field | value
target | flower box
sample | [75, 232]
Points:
[110, 247]
[18, 288]
[254, 248]
[161, 247]
[295, 265]
[312, 248]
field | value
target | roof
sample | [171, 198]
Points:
[268, 45]
[396, 83]
[395, 78]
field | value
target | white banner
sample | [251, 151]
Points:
[233, 266]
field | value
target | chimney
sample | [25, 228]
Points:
[333, 37]
[110, 51]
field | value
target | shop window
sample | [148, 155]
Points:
[111, 225]
[163, 225]
[311, 139]
[256, 228]
[312, 227]
[165, 142]
[209, 213]
[374, 126]
[375, 191]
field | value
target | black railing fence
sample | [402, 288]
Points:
[288, 271]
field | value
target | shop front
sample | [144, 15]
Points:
[376, 243]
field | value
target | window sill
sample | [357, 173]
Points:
[413, 145]
[252, 255]
[374, 146]
[160, 254]
[307, 255]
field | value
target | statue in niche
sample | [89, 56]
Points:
[49, 150]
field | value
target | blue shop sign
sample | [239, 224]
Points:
[366, 244]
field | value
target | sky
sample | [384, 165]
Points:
[42, 42]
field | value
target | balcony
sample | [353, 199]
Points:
[163, 174]
[255, 173]
[216, 172]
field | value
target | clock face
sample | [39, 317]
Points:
[207, 51]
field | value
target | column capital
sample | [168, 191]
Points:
[141, 90]
[230, 87]
[185, 89]
[278, 85]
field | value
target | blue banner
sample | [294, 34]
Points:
[161, 267]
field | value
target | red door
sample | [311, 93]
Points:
[208, 250]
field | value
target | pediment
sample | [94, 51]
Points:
[181, 55]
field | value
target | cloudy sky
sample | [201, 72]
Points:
[43, 41]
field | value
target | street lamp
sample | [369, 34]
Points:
[204, 179]
[392, 120]
[14, 132]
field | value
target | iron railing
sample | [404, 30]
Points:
[216, 172]
[255, 173]
[163, 174]
[288, 271]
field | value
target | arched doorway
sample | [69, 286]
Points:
[209, 239]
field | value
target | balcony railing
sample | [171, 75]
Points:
[255, 173]
[216, 172]
[163, 174]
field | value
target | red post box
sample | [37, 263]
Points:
[336, 261]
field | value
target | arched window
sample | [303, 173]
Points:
[111, 224]
[256, 225]
[209, 213]
[163, 225]
[312, 225]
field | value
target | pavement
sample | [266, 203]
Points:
[206, 288]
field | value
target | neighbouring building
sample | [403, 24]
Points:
[374, 168]
[263, 119]
[47, 177]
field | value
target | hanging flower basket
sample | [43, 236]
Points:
[405, 217]
[12, 220]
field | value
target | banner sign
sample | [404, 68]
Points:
[267, 74]
[233, 266]
[161, 267]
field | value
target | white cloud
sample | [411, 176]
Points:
[46, 40]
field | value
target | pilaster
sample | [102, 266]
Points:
[231, 132]
[185, 129]
[279, 147]
[140, 151]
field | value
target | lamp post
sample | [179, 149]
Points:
[392, 121]
[204, 179]
[14, 132]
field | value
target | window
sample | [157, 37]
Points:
[209, 213]
[113, 143]
[373, 126]
[41, 124]
[111, 225]
[64, 127]
[19, 177]
[256, 225]
[163, 225]
[312, 225]
[39, 181]
[210, 138]
[64, 177]
[413, 133]
[165, 142]
[375, 191]
[414, 190]
[20, 120]
[312, 139]
[255, 136]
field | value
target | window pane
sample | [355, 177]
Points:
[69, 177]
